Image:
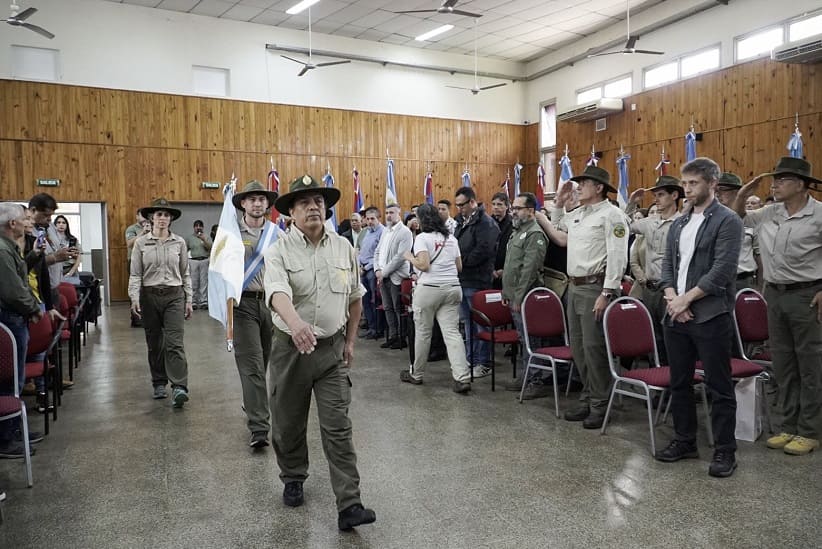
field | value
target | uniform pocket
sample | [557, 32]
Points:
[339, 274]
[300, 278]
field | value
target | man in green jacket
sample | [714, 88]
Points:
[521, 274]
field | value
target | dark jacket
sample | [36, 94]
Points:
[523, 265]
[37, 262]
[714, 263]
[15, 296]
[506, 227]
[477, 237]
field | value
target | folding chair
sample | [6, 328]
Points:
[543, 316]
[629, 333]
[74, 324]
[12, 406]
[488, 311]
[41, 342]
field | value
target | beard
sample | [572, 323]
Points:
[516, 222]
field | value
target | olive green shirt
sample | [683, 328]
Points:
[15, 296]
[155, 262]
[197, 247]
[791, 245]
[131, 232]
[321, 281]
[523, 260]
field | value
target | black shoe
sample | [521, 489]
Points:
[293, 493]
[578, 414]
[406, 377]
[13, 450]
[723, 464]
[676, 450]
[461, 388]
[354, 516]
[398, 343]
[259, 439]
[389, 343]
[34, 436]
[594, 420]
[41, 403]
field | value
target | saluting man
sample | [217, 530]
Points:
[313, 287]
[748, 271]
[253, 327]
[790, 234]
[597, 240]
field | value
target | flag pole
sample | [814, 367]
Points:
[229, 324]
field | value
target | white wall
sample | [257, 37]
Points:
[112, 45]
[718, 24]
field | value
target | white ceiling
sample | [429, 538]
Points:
[511, 30]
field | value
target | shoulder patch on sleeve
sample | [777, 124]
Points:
[619, 230]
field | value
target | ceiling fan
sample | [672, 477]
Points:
[447, 7]
[18, 19]
[308, 65]
[476, 89]
[630, 43]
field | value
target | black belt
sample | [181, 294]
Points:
[254, 295]
[162, 290]
[794, 285]
[321, 342]
[591, 279]
[199, 258]
[746, 275]
[440, 285]
[653, 284]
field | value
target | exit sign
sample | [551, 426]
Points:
[48, 182]
[210, 185]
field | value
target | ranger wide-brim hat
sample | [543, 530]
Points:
[795, 166]
[597, 174]
[160, 204]
[301, 186]
[253, 187]
[668, 183]
[729, 180]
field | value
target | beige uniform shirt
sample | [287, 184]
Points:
[750, 247]
[159, 263]
[791, 246]
[597, 241]
[320, 281]
[655, 230]
[250, 238]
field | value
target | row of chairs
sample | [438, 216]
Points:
[629, 334]
[44, 358]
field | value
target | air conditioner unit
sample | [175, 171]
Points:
[808, 50]
[591, 111]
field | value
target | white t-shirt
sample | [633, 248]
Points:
[687, 244]
[443, 270]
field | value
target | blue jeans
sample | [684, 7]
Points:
[19, 328]
[369, 305]
[480, 351]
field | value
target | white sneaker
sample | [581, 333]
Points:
[481, 371]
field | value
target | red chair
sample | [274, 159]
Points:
[75, 324]
[488, 311]
[41, 342]
[12, 406]
[543, 316]
[629, 333]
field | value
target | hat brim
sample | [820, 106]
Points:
[286, 201]
[151, 210]
[668, 188]
[239, 197]
[810, 179]
[608, 187]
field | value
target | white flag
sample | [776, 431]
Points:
[225, 267]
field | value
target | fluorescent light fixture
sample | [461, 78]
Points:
[297, 8]
[433, 33]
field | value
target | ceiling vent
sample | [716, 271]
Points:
[592, 111]
[808, 50]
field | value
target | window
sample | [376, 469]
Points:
[661, 74]
[589, 95]
[699, 62]
[549, 162]
[35, 63]
[760, 43]
[211, 81]
[548, 126]
[618, 88]
[805, 28]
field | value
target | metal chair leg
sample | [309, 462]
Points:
[608, 409]
[570, 375]
[556, 386]
[649, 406]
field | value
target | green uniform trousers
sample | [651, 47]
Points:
[253, 330]
[163, 310]
[796, 350]
[588, 345]
[293, 377]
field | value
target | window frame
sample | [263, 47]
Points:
[601, 86]
[717, 47]
[737, 39]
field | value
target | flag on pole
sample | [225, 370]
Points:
[662, 167]
[565, 171]
[690, 145]
[359, 203]
[540, 186]
[273, 185]
[517, 179]
[225, 266]
[466, 178]
[505, 186]
[795, 144]
[328, 179]
[391, 187]
[428, 188]
[622, 169]
[593, 160]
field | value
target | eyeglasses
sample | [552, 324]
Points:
[518, 208]
[461, 204]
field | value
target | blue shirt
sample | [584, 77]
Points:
[369, 246]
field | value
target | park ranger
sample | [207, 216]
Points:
[313, 287]
[749, 267]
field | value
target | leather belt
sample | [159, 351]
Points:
[795, 285]
[199, 258]
[591, 279]
[653, 284]
[254, 295]
[746, 275]
[321, 342]
[440, 285]
[162, 290]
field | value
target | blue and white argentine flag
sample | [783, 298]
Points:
[225, 267]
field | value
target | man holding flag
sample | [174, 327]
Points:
[252, 320]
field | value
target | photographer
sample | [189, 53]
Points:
[199, 247]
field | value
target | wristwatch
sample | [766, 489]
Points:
[607, 294]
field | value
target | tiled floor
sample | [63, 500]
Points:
[441, 470]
